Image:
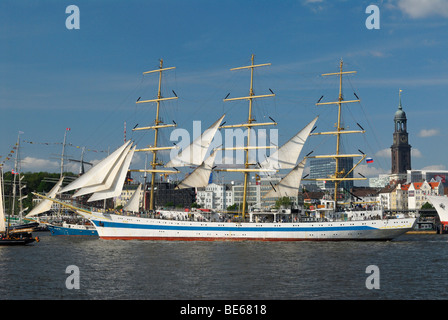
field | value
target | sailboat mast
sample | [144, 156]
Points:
[249, 125]
[249, 121]
[338, 134]
[157, 125]
[16, 164]
[63, 151]
[339, 174]
[156, 134]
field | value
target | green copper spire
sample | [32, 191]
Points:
[400, 115]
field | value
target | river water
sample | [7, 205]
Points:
[412, 267]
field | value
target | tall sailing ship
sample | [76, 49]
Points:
[13, 235]
[332, 222]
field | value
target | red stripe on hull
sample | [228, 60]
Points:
[233, 239]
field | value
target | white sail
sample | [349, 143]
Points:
[134, 202]
[289, 185]
[195, 153]
[200, 176]
[2, 209]
[45, 204]
[109, 177]
[117, 185]
[287, 155]
[97, 173]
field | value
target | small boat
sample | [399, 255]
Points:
[15, 235]
[72, 229]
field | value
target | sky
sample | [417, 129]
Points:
[88, 79]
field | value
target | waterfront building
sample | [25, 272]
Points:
[384, 197]
[325, 167]
[399, 198]
[410, 196]
[418, 192]
[427, 175]
[394, 197]
[266, 184]
[400, 149]
[253, 197]
[126, 194]
[222, 196]
[214, 196]
[165, 195]
[379, 182]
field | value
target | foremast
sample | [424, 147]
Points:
[158, 124]
[249, 125]
[339, 175]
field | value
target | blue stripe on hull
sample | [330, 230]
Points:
[106, 224]
[61, 231]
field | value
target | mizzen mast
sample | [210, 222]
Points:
[340, 175]
[248, 125]
[158, 124]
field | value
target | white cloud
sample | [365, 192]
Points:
[424, 8]
[415, 153]
[385, 153]
[32, 164]
[435, 167]
[36, 164]
[315, 5]
[424, 133]
[369, 171]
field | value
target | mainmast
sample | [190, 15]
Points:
[339, 174]
[158, 124]
[248, 125]
[17, 173]
[63, 151]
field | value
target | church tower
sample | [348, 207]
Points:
[401, 150]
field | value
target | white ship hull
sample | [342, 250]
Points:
[112, 226]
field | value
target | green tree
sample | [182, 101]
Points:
[427, 205]
[283, 202]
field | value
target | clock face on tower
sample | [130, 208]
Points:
[403, 139]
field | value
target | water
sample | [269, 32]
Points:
[411, 267]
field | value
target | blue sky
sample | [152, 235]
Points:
[52, 78]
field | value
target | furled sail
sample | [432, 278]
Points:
[134, 202]
[200, 176]
[97, 173]
[289, 185]
[287, 155]
[115, 189]
[45, 204]
[195, 153]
